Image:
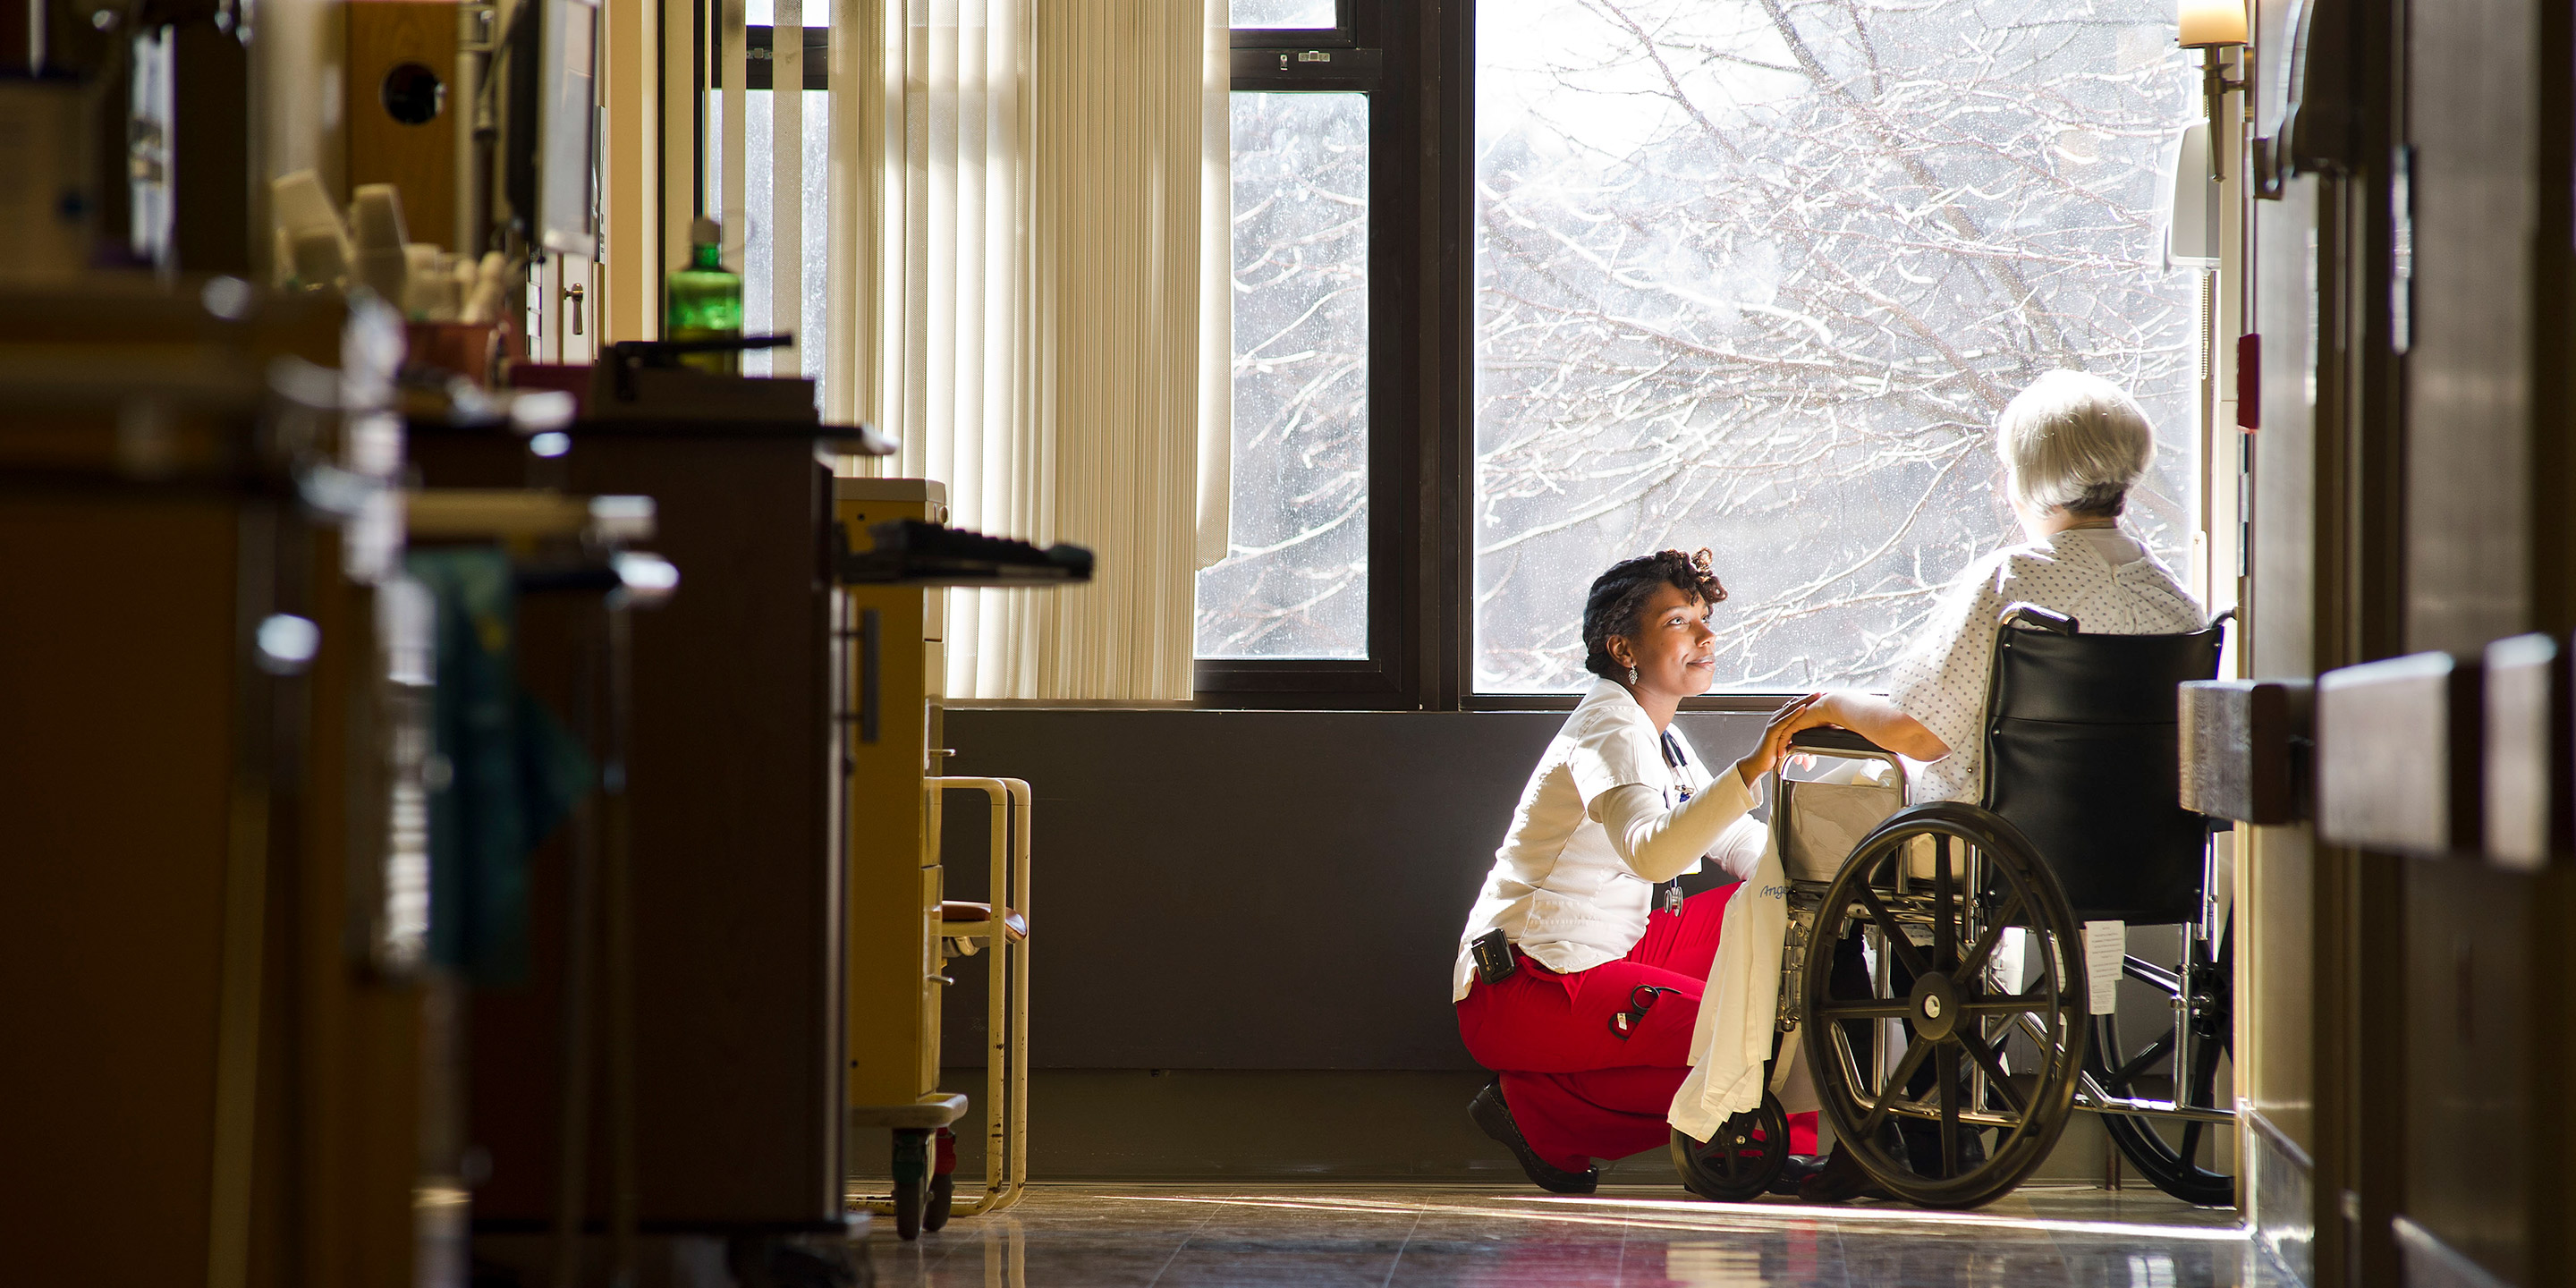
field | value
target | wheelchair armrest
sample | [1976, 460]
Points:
[1828, 738]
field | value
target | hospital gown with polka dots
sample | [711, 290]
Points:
[2104, 578]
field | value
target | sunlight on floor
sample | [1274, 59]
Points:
[1153, 1235]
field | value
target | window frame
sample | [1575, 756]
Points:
[759, 43]
[1421, 377]
[1359, 59]
[1421, 382]
[1343, 34]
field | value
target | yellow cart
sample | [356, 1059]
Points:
[901, 927]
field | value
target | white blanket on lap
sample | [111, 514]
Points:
[1838, 803]
[1740, 1010]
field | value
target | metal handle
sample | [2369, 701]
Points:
[573, 295]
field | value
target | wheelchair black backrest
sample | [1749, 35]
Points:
[2082, 756]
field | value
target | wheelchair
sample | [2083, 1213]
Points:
[1935, 966]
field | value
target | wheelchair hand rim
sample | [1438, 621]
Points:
[2036, 903]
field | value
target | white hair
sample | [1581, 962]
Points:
[2075, 442]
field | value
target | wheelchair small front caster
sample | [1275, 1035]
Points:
[1742, 1161]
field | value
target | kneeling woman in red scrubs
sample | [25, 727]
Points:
[1579, 976]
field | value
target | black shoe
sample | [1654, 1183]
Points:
[1495, 1117]
[1922, 1144]
[1840, 1180]
[1795, 1170]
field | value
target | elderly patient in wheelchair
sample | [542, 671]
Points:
[2040, 697]
[1907, 950]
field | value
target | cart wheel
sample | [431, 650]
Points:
[943, 1188]
[1747, 1155]
[2172, 1154]
[907, 1209]
[911, 1171]
[943, 1180]
[1933, 1003]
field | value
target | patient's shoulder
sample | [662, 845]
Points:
[2033, 559]
[1997, 571]
[2037, 572]
[2136, 596]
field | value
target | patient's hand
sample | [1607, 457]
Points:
[1868, 715]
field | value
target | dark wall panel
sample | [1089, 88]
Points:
[2473, 121]
[1248, 889]
[2487, 180]
[2471, 1160]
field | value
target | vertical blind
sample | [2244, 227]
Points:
[732, 70]
[866, 107]
[787, 178]
[1216, 284]
[1115, 305]
[956, 306]
[1018, 291]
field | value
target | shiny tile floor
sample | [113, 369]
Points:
[1390, 1235]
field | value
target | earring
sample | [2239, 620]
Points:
[1632, 675]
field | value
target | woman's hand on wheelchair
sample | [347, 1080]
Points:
[1786, 721]
[1803, 712]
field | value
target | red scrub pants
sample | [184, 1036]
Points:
[1578, 1090]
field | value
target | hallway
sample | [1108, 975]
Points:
[1080, 1236]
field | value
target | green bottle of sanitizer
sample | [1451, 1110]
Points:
[705, 300]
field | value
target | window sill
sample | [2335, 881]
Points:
[1734, 703]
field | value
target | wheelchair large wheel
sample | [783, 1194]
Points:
[1941, 1121]
[2173, 1155]
[1744, 1158]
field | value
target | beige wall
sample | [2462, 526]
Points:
[2276, 880]
[2275, 979]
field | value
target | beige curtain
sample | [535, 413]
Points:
[1114, 310]
[1032, 312]
[866, 106]
[1216, 287]
[732, 155]
[957, 322]
[787, 182]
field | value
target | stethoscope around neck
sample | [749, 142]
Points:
[1668, 894]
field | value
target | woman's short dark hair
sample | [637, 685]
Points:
[1618, 599]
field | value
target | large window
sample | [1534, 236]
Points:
[1559, 282]
[1295, 581]
[1306, 605]
[1757, 275]
[1284, 15]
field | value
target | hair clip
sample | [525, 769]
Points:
[1706, 562]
